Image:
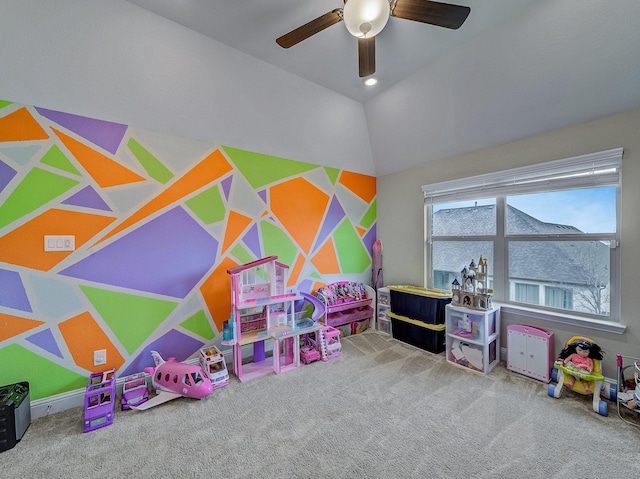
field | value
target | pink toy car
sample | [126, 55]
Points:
[308, 354]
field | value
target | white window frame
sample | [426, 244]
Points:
[585, 171]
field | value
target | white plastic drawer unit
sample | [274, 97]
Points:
[473, 337]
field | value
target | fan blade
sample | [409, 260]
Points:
[308, 29]
[435, 13]
[367, 56]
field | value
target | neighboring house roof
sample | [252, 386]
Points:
[570, 262]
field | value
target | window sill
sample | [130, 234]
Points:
[598, 325]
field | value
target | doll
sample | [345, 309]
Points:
[579, 355]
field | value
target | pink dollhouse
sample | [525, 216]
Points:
[263, 311]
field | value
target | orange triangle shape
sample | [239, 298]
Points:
[75, 332]
[23, 246]
[301, 218]
[210, 169]
[21, 126]
[325, 259]
[11, 326]
[216, 291]
[362, 185]
[296, 271]
[236, 224]
[105, 171]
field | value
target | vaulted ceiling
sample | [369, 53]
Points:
[330, 58]
[515, 68]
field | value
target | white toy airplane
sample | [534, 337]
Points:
[172, 379]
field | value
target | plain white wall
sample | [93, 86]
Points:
[401, 213]
[114, 61]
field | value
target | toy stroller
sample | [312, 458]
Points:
[578, 368]
[628, 389]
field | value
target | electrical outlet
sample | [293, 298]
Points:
[100, 357]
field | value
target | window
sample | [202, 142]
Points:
[558, 297]
[549, 233]
[527, 293]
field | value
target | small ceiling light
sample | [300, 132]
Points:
[371, 81]
[366, 18]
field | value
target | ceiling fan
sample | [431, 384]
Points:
[366, 18]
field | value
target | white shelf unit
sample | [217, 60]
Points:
[473, 338]
[383, 307]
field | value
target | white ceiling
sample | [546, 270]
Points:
[329, 58]
[516, 68]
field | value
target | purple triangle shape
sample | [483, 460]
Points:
[252, 240]
[6, 174]
[226, 186]
[334, 216]
[370, 238]
[89, 198]
[46, 341]
[182, 252]
[105, 134]
[171, 344]
[12, 292]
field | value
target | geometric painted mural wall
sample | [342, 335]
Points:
[158, 220]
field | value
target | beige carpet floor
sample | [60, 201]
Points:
[382, 409]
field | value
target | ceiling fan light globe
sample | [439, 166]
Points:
[366, 18]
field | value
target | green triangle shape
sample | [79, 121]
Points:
[261, 170]
[4, 103]
[36, 189]
[154, 167]
[56, 158]
[369, 217]
[199, 324]
[332, 173]
[131, 318]
[352, 255]
[276, 242]
[45, 377]
[208, 206]
[241, 254]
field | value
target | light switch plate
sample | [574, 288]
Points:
[100, 357]
[59, 242]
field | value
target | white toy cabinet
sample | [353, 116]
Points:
[530, 351]
[473, 338]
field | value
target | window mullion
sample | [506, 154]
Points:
[428, 247]
[500, 250]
